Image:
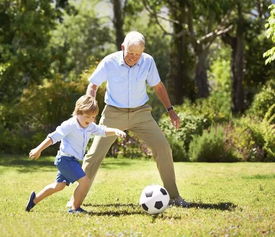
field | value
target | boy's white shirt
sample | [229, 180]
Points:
[74, 138]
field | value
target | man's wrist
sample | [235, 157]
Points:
[169, 108]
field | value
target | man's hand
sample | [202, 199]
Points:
[174, 118]
[34, 154]
[120, 133]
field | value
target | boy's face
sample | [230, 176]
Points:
[85, 119]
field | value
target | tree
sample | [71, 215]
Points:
[118, 21]
[244, 16]
[191, 64]
[81, 39]
[270, 34]
[25, 32]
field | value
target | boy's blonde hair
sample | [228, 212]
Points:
[86, 105]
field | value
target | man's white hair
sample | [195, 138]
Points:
[134, 38]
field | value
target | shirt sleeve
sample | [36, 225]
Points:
[60, 132]
[153, 75]
[99, 130]
[100, 74]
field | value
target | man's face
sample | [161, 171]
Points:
[132, 54]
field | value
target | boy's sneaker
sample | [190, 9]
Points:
[78, 210]
[179, 202]
[30, 203]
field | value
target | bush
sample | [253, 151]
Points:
[213, 109]
[180, 139]
[253, 140]
[40, 110]
[263, 101]
[130, 147]
[210, 147]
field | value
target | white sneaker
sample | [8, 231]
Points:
[179, 202]
[69, 203]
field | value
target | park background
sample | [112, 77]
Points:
[216, 59]
[209, 55]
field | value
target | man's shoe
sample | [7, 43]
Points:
[30, 203]
[179, 202]
[78, 210]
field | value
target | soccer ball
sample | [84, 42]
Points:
[154, 199]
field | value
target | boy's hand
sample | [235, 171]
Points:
[34, 154]
[120, 133]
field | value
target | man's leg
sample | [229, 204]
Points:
[111, 117]
[95, 155]
[146, 128]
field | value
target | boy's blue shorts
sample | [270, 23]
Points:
[69, 169]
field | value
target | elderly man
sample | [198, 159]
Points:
[127, 72]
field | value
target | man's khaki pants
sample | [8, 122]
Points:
[140, 121]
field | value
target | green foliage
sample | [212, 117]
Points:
[256, 73]
[41, 109]
[213, 109]
[129, 147]
[80, 41]
[210, 147]
[253, 140]
[25, 32]
[181, 138]
[263, 101]
[270, 33]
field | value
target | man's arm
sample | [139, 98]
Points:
[91, 90]
[163, 96]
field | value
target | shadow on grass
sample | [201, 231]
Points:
[24, 164]
[260, 176]
[107, 164]
[135, 209]
[223, 206]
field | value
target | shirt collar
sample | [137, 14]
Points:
[77, 123]
[122, 62]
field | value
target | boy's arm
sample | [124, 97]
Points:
[36, 152]
[114, 132]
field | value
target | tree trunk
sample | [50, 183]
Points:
[201, 72]
[237, 66]
[118, 22]
[180, 63]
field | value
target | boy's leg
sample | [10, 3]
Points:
[49, 190]
[45, 192]
[80, 192]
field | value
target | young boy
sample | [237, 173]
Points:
[74, 135]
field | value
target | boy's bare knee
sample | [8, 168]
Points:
[59, 186]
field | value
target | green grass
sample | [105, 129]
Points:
[228, 199]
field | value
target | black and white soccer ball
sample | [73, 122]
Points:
[154, 199]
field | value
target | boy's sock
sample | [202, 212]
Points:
[30, 203]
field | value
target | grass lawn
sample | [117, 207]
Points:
[228, 199]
